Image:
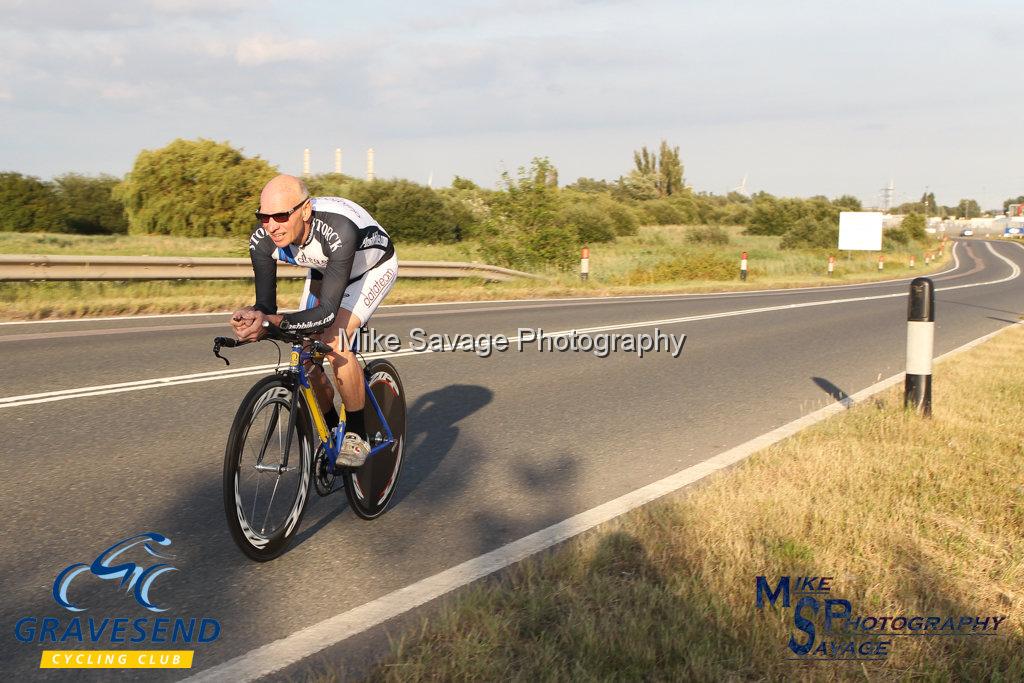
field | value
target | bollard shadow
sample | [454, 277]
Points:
[1002, 320]
[986, 308]
[832, 390]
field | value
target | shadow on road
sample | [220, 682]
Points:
[832, 390]
[433, 428]
[986, 308]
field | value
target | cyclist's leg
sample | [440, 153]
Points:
[357, 305]
[360, 300]
[347, 372]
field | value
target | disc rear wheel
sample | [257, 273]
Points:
[371, 487]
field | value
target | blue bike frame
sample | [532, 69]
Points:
[333, 438]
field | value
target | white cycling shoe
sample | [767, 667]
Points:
[354, 450]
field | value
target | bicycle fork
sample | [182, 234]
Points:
[300, 385]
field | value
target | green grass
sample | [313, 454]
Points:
[911, 516]
[659, 259]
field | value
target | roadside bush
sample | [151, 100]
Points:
[897, 236]
[661, 212]
[332, 185]
[524, 230]
[30, 204]
[87, 205]
[467, 209]
[623, 217]
[709, 234]
[193, 188]
[591, 224]
[914, 226]
[808, 233]
[774, 216]
[596, 216]
[408, 211]
[771, 216]
[694, 265]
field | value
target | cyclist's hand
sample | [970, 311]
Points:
[248, 323]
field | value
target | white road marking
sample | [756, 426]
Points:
[279, 654]
[139, 385]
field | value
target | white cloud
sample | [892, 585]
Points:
[265, 49]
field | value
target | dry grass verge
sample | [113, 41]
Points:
[911, 516]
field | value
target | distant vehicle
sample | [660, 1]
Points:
[967, 232]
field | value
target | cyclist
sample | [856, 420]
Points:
[352, 267]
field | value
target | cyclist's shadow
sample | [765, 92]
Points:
[432, 428]
[430, 433]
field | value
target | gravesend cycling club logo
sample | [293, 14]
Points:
[133, 577]
[828, 628]
[133, 566]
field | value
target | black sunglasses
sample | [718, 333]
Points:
[280, 216]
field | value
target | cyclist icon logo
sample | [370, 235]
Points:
[134, 577]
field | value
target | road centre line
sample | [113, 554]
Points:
[275, 656]
[138, 385]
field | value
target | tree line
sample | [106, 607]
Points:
[202, 188]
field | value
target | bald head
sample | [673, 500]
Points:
[282, 193]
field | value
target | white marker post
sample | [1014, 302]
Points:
[881, 262]
[584, 263]
[831, 265]
[743, 266]
[917, 389]
[912, 261]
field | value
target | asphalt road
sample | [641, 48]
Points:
[498, 447]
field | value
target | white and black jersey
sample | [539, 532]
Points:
[344, 242]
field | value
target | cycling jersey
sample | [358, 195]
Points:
[344, 243]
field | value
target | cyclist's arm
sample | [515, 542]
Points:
[264, 269]
[336, 275]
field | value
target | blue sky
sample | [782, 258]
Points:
[801, 97]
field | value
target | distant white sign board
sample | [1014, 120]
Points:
[860, 230]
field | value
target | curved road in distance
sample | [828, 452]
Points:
[498, 448]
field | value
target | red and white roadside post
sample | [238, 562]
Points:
[928, 258]
[831, 265]
[743, 266]
[881, 262]
[912, 261]
[917, 389]
[584, 263]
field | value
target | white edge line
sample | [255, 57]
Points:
[624, 297]
[291, 649]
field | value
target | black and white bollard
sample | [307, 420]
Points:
[743, 266]
[917, 390]
[584, 263]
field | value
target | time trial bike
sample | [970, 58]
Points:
[280, 445]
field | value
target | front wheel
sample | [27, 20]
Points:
[263, 497]
[370, 488]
